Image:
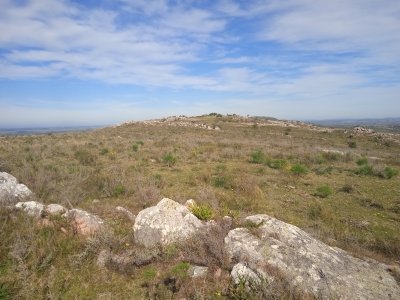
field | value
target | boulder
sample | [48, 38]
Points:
[241, 272]
[84, 223]
[310, 265]
[31, 208]
[11, 191]
[165, 223]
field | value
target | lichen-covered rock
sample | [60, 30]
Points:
[85, 223]
[32, 208]
[11, 191]
[165, 223]
[126, 212]
[55, 209]
[310, 265]
[241, 272]
[197, 271]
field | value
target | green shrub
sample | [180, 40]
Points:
[220, 181]
[202, 211]
[390, 172]
[169, 159]
[104, 151]
[277, 163]
[299, 169]
[365, 170]
[119, 190]
[362, 161]
[258, 157]
[323, 191]
[135, 147]
[180, 269]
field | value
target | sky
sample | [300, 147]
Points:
[97, 62]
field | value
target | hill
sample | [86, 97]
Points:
[339, 185]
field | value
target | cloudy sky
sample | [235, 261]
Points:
[65, 62]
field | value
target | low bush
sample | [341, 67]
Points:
[362, 161]
[169, 159]
[258, 157]
[365, 170]
[85, 157]
[202, 211]
[323, 191]
[277, 163]
[299, 169]
[389, 172]
[352, 144]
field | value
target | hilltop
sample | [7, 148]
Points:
[338, 185]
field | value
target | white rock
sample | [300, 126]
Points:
[32, 208]
[197, 271]
[309, 264]
[126, 212]
[242, 273]
[10, 191]
[55, 209]
[165, 223]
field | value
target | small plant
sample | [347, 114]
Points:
[220, 181]
[314, 211]
[104, 151]
[299, 169]
[149, 273]
[169, 159]
[352, 144]
[119, 190]
[135, 147]
[258, 157]
[389, 172]
[323, 191]
[277, 163]
[347, 188]
[180, 269]
[362, 161]
[202, 211]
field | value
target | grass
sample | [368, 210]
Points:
[202, 211]
[236, 171]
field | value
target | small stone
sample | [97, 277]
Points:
[55, 209]
[197, 271]
[126, 212]
[190, 203]
[32, 208]
[85, 223]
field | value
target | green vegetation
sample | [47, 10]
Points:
[323, 191]
[202, 211]
[237, 171]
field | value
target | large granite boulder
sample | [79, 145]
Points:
[11, 191]
[165, 223]
[312, 266]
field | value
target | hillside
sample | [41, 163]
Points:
[340, 185]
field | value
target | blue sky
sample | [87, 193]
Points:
[107, 61]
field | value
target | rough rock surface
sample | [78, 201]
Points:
[55, 209]
[126, 212]
[165, 223]
[85, 223]
[310, 265]
[11, 191]
[32, 208]
[241, 272]
[197, 271]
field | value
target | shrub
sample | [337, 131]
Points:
[84, 157]
[323, 191]
[314, 211]
[277, 163]
[135, 147]
[103, 151]
[365, 170]
[258, 157]
[169, 159]
[352, 144]
[389, 172]
[347, 188]
[220, 181]
[202, 211]
[299, 169]
[362, 161]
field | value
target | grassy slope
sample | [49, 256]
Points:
[127, 166]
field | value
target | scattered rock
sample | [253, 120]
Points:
[32, 208]
[197, 271]
[55, 209]
[85, 223]
[165, 223]
[11, 191]
[310, 265]
[190, 203]
[126, 212]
